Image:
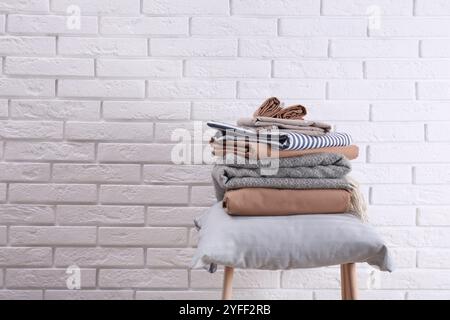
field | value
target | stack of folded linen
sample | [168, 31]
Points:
[277, 163]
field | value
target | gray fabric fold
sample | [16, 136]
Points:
[281, 183]
[313, 164]
[312, 171]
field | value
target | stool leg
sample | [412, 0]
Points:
[349, 285]
[343, 283]
[227, 283]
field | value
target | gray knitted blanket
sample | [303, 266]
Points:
[312, 171]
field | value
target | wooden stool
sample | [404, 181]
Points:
[349, 286]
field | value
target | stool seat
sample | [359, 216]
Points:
[287, 242]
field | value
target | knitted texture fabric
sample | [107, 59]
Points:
[312, 171]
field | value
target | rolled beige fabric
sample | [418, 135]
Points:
[297, 112]
[269, 108]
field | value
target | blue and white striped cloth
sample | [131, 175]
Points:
[283, 139]
[298, 141]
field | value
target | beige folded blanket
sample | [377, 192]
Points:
[301, 126]
[255, 150]
[277, 202]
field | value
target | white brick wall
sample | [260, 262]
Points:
[86, 115]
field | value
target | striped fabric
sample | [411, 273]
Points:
[283, 139]
[298, 141]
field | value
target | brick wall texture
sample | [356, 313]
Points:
[92, 90]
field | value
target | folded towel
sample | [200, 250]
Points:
[272, 108]
[313, 171]
[268, 108]
[298, 141]
[279, 183]
[320, 165]
[239, 131]
[285, 140]
[275, 202]
[357, 203]
[292, 112]
[229, 140]
[300, 126]
[258, 150]
[226, 131]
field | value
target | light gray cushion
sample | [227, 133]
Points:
[287, 242]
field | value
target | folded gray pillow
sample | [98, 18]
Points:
[286, 242]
